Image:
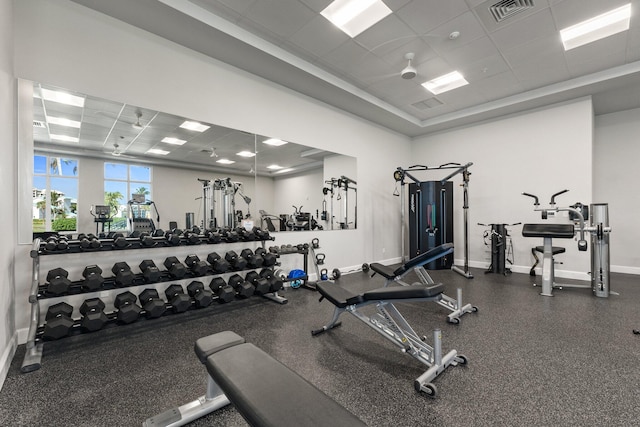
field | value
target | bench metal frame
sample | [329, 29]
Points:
[389, 323]
[455, 305]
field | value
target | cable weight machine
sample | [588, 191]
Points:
[341, 186]
[223, 192]
[431, 213]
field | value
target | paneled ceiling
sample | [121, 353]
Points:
[511, 66]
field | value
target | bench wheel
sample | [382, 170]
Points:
[454, 320]
[463, 359]
[475, 309]
[430, 389]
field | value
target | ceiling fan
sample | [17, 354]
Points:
[137, 125]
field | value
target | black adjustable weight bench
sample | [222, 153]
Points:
[263, 390]
[417, 264]
[389, 323]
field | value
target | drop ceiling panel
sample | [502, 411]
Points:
[283, 17]
[498, 86]
[386, 35]
[471, 52]
[318, 37]
[571, 12]
[466, 24]
[528, 29]
[423, 16]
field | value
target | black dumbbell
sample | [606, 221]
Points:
[191, 237]
[123, 274]
[237, 262]
[176, 269]
[128, 310]
[222, 290]
[219, 264]
[230, 236]
[56, 243]
[119, 241]
[89, 241]
[150, 271]
[58, 321]
[203, 297]
[254, 260]
[93, 315]
[93, 279]
[146, 240]
[261, 234]
[58, 282]
[172, 237]
[151, 303]
[269, 259]
[243, 288]
[261, 285]
[275, 284]
[212, 236]
[180, 302]
[158, 233]
[245, 235]
[197, 267]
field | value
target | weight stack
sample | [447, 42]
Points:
[431, 220]
[600, 250]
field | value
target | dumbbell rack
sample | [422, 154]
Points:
[40, 299]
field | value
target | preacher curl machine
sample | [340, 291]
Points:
[599, 230]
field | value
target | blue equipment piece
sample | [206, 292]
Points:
[295, 274]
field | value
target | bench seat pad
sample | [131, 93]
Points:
[404, 292]
[339, 296]
[557, 231]
[431, 255]
[267, 393]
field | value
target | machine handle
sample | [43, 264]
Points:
[535, 203]
[553, 198]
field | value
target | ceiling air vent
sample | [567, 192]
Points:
[495, 15]
[507, 8]
[39, 124]
[427, 104]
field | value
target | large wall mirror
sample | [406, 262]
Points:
[89, 153]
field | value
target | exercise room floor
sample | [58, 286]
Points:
[570, 360]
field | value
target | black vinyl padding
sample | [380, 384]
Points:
[339, 296]
[403, 292]
[558, 231]
[267, 393]
[206, 346]
[430, 255]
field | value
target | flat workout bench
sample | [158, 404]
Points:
[389, 323]
[417, 263]
[263, 390]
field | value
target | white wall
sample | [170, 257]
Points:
[304, 189]
[8, 137]
[616, 176]
[540, 152]
[126, 64]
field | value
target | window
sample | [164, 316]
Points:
[54, 193]
[121, 182]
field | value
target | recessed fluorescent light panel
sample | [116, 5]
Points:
[274, 141]
[225, 161]
[62, 97]
[198, 127]
[355, 16]
[596, 28]
[174, 141]
[445, 83]
[60, 121]
[157, 151]
[245, 154]
[285, 170]
[65, 138]
[274, 167]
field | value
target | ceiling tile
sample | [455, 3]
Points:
[582, 65]
[539, 24]
[537, 74]
[571, 12]
[536, 50]
[466, 24]
[498, 86]
[486, 67]
[425, 15]
[471, 52]
[423, 52]
[386, 35]
[281, 17]
[319, 36]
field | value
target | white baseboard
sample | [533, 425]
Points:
[625, 269]
[565, 274]
[7, 357]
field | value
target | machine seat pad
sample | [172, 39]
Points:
[339, 296]
[555, 250]
[206, 346]
[267, 393]
[431, 255]
[404, 292]
[558, 231]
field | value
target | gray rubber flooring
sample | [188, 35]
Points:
[570, 360]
